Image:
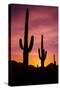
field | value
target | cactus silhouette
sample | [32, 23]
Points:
[43, 53]
[54, 59]
[26, 49]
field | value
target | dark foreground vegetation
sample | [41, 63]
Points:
[19, 74]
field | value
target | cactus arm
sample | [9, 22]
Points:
[20, 43]
[31, 43]
[45, 53]
[39, 53]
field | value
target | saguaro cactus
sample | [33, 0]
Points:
[43, 54]
[26, 49]
[54, 59]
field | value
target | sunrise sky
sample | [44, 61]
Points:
[42, 20]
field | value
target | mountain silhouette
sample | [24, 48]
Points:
[20, 74]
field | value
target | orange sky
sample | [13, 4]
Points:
[42, 20]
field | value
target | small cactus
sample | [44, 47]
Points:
[43, 54]
[26, 49]
[54, 59]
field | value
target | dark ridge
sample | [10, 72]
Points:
[20, 74]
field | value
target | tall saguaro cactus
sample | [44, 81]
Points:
[26, 49]
[43, 53]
